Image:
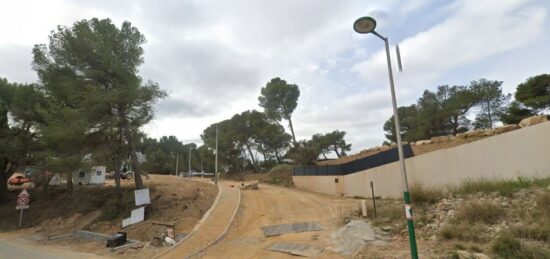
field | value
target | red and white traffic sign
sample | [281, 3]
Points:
[23, 200]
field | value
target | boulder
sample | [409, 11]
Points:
[474, 134]
[533, 120]
[489, 132]
[441, 139]
[422, 142]
[505, 128]
[460, 136]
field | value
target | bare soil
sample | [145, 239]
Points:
[174, 200]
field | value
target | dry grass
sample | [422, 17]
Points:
[463, 232]
[502, 187]
[425, 195]
[480, 212]
[508, 247]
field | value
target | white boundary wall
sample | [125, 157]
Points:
[524, 152]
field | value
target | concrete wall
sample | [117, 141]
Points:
[524, 152]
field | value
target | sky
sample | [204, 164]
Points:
[213, 57]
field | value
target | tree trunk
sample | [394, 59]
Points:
[489, 114]
[70, 182]
[292, 131]
[277, 156]
[323, 153]
[4, 175]
[118, 192]
[251, 157]
[45, 185]
[135, 162]
[336, 150]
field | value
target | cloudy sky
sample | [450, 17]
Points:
[214, 56]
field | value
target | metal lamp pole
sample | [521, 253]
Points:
[367, 25]
[216, 162]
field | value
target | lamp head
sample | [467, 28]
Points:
[364, 25]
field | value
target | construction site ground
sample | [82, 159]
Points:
[267, 205]
[173, 200]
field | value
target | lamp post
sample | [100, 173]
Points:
[216, 162]
[366, 25]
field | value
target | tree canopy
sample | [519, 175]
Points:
[535, 93]
[89, 75]
[279, 100]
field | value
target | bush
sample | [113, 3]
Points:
[423, 194]
[538, 232]
[543, 205]
[281, 170]
[484, 212]
[502, 187]
[506, 246]
[463, 232]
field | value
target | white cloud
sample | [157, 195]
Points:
[477, 30]
[214, 56]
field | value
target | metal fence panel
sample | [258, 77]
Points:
[360, 164]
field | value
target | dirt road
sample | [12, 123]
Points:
[276, 205]
[213, 227]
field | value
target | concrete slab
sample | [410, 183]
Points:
[296, 249]
[298, 227]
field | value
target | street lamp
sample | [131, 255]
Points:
[366, 25]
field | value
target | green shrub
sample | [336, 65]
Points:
[281, 169]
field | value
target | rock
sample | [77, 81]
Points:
[533, 120]
[412, 143]
[441, 139]
[423, 142]
[480, 256]
[474, 134]
[460, 136]
[505, 128]
[463, 254]
[489, 132]
[386, 228]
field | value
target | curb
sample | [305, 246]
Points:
[199, 224]
[226, 228]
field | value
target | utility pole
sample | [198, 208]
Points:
[177, 163]
[216, 162]
[189, 159]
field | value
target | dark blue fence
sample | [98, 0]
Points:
[354, 166]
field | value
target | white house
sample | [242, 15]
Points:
[96, 176]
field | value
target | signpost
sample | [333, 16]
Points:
[23, 200]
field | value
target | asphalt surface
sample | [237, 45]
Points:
[20, 250]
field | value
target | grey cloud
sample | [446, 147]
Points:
[181, 108]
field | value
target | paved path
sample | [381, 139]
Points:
[213, 227]
[23, 250]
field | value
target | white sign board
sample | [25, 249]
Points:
[138, 215]
[142, 197]
[21, 207]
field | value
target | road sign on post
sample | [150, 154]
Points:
[23, 200]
